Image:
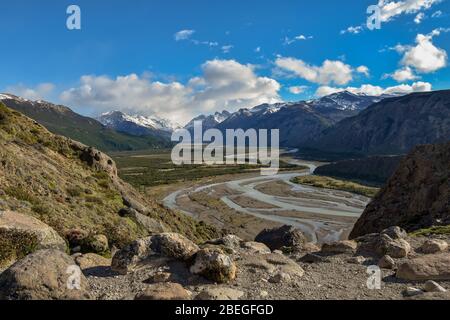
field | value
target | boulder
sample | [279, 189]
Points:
[256, 247]
[395, 232]
[220, 293]
[429, 267]
[21, 234]
[386, 262]
[214, 265]
[433, 246]
[126, 259]
[277, 238]
[160, 276]
[44, 275]
[230, 241]
[173, 245]
[411, 291]
[398, 248]
[99, 243]
[164, 291]
[169, 245]
[280, 277]
[91, 260]
[149, 224]
[345, 246]
[431, 286]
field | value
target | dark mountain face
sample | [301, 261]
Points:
[298, 122]
[63, 121]
[392, 126]
[416, 196]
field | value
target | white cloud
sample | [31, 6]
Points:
[300, 37]
[297, 89]
[404, 74]
[364, 70]
[335, 72]
[353, 30]
[437, 14]
[39, 92]
[258, 49]
[419, 17]
[224, 84]
[389, 9]
[227, 48]
[372, 90]
[183, 35]
[425, 57]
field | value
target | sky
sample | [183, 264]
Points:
[180, 58]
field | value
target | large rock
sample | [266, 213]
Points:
[277, 238]
[386, 262]
[220, 293]
[345, 246]
[91, 260]
[433, 246]
[230, 241]
[170, 245]
[214, 265]
[415, 197]
[44, 275]
[164, 291]
[429, 267]
[398, 248]
[256, 247]
[47, 237]
[380, 244]
[149, 224]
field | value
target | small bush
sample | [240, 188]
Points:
[75, 191]
[15, 245]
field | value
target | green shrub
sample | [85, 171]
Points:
[15, 245]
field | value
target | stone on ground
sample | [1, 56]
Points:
[433, 246]
[92, 260]
[428, 267]
[256, 247]
[44, 275]
[386, 262]
[214, 265]
[431, 286]
[220, 293]
[164, 291]
[345, 246]
[285, 236]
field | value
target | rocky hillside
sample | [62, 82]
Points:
[416, 196]
[74, 189]
[63, 121]
[392, 126]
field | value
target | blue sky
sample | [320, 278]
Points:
[232, 54]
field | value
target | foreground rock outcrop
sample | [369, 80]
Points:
[44, 275]
[417, 195]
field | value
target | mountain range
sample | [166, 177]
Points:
[392, 126]
[62, 120]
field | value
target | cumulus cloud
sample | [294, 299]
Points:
[183, 35]
[330, 71]
[224, 84]
[364, 70]
[389, 9]
[404, 74]
[297, 89]
[372, 90]
[425, 57]
[39, 92]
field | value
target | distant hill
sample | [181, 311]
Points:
[417, 195]
[374, 170]
[63, 121]
[392, 126]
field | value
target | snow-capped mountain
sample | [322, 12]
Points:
[210, 121]
[345, 100]
[137, 124]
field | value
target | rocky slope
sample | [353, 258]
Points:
[392, 126]
[63, 121]
[74, 189]
[416, 196]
